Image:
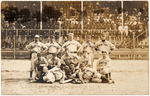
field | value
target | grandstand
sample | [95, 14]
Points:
[21, 20]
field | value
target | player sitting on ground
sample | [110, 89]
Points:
[55, 74]
[89, 74]
[71, 67]
[103, 67]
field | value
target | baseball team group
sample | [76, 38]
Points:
[70, 62]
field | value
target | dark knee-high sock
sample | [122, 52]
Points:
[106, 75]
[31, 74]
[109, 75]
[105, 78]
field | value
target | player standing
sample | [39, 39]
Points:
[35, 47]
[72, 46]
[87, 49]
[53, 47]
[104, 45]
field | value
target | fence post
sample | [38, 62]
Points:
[133, 44]
[15, 44]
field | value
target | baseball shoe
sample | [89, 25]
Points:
[32, 81]
[30, 78]
[111, 82]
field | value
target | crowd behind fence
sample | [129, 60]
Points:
[18, 39]
[20, 21]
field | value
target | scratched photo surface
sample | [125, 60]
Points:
[74, 48]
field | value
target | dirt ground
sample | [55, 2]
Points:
[130, 76]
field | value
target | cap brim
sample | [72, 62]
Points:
[42, 64]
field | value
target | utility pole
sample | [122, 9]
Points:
[15, 31]
[82, 16]
[41, 14]
[122, 19]
[133, 44]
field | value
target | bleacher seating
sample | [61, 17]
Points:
[98, 17]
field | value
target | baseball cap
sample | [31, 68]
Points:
[70, 34]
[52, 36]
[38, 55]
[37, 36]
[104, 52]
[56, 31]
[103, 34]
[43, 65]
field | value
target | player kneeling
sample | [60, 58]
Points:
[39, 63]
[103, 67]
[53, 61]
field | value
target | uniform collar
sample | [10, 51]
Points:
[36, 42]
[103, 40]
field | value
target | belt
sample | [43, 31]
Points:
[34, 52]
[51, 53]
[87, 52]
[72, 52]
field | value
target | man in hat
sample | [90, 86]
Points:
[55, 74]
[35, 47]
[104, 45]
[53, 47]
[87, 50]
[103, 67]
[70, 62]
[39, 65]
[72, 46]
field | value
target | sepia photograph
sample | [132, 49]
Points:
[75, 47]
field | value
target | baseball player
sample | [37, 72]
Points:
[87, 49]
[103, 67]
[72, 46]
[53, 47]
[90, 75]
[70, 62]
[55, 74]
[104, 45]
[39, 64]
[35, 47]
[53, 61]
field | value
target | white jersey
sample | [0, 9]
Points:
[105, 46]
[36, 46]
[104, 62]
[71, 46]
[53, 74]
[53, 47]
[54, 61]
[103, 65]
[88, 47]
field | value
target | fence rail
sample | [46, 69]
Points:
[118, 54]
[14, 39]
